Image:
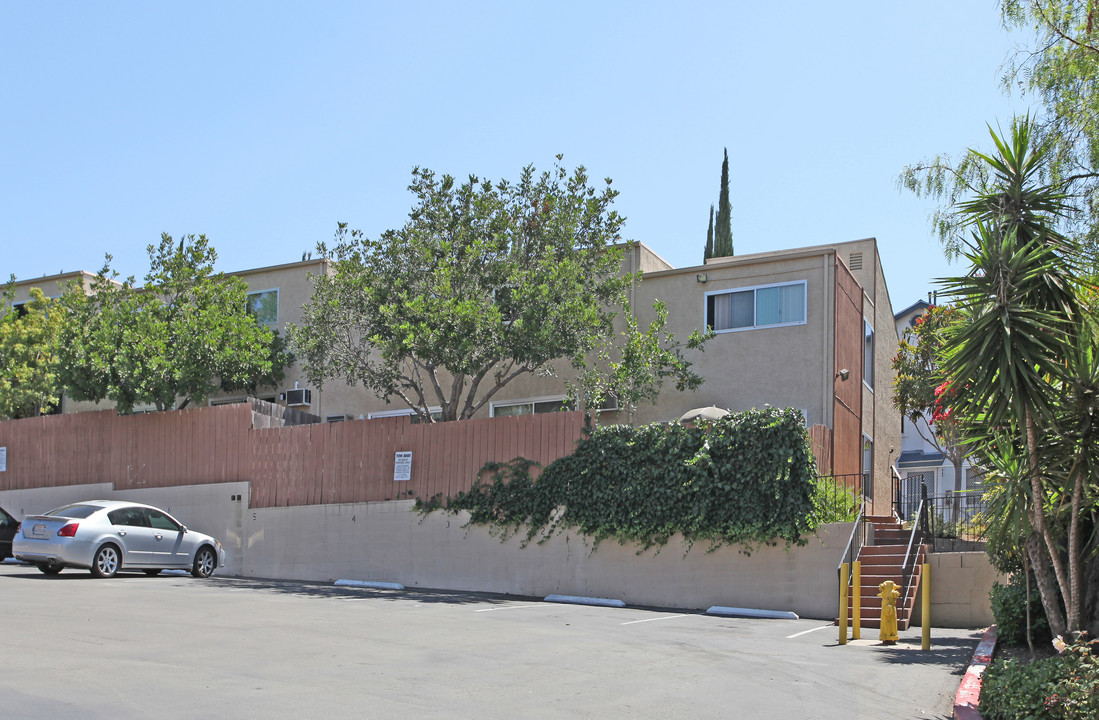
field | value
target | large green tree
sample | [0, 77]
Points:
[1057, 63]
[1021, 361]
[487, 282]
[172, 342]
[29, 333]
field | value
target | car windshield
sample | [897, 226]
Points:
[74, 511]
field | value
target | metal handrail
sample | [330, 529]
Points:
[860, 521]
[919, 529]
[897, 497]
[853, 548]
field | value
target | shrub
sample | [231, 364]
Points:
[1009, 609]
[1066, 686]
[834, 502]
[746, 479]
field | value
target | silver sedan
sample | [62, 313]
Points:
[106, 536]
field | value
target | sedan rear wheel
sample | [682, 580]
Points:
[106, 562]
[49, 568]
[205, 562]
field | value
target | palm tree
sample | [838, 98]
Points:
[1010, 359]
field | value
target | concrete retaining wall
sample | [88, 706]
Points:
[389, 542]
[207, 509]
[960, 582]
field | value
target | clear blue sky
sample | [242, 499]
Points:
[264, 124]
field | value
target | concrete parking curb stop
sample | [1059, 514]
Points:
[752, 613]
[373, 584]
[969, 692]
[576, 600]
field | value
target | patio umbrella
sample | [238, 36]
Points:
[710, 414]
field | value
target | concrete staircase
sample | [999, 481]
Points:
[883, 560]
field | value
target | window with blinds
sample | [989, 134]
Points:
[756, 307]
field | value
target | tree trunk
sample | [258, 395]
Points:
[1074, 606]
[1047, 584]
[1051, 556]
[1029, 625]
[1091, 585]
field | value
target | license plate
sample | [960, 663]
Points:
[39, 531]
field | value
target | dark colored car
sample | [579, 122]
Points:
[8, 525]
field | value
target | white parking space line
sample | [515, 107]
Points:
[666, 617]
[512, 607]
[806, 632]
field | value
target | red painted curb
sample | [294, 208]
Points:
[969, 692]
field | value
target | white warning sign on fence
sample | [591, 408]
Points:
[3, 459]
[402, 466]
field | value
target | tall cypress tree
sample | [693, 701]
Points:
[709, 253]
[723, 234]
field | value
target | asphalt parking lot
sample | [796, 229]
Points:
[176, 647]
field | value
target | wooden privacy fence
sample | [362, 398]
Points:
[190, 447]
[302, 465]
[354, 461]
[820, 438]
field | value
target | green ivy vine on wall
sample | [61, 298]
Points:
[747, 479]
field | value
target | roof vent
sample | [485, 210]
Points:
[856, 261]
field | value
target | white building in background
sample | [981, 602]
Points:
[920, 460]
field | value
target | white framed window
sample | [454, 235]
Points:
[868, 354]
[529, 406]
[775, 305]
[263, 305]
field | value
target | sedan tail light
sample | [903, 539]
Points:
[69, 530]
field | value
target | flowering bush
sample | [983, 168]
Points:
[1065, 686]
[943, 410]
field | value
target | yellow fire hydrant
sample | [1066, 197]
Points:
[888, 594]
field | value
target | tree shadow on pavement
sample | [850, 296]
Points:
[953, 650]
[301, 588]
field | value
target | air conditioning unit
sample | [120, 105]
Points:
[298, 397]
[336, 418]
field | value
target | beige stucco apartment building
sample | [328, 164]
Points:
[810, 328]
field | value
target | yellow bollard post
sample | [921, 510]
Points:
[856, 600]
[925, 596]
[888, 593]
[844, 570]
